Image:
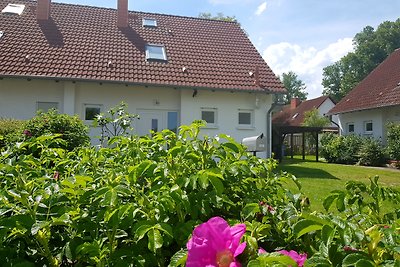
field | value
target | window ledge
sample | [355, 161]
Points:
[211, 127]
[245, 127]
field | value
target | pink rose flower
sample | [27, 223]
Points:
[298, 258]
[215, 244]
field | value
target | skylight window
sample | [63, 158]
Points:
[149, 22]
[13, 9]
[1, 34]
[155, 52]
[295, 116]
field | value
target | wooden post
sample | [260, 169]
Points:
[316, 146]
[291, 146]
[303, 145]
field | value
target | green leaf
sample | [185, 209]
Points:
[37, 226]
[166, 228]
[353, 258]
[340, 203]
[328, 201]
[179, 258]
[250, 210]
[365, 263]
[155, 240]
[217, 184]
[141, 231]
[306, 226]
[327, 234]
[233, 146]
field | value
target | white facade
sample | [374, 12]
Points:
[371, 122]
[324, 109]
[20, 99]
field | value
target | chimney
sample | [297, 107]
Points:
[122, 20]
[43, 9]
[294, 103]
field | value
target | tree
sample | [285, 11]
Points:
[312, 118]
[294, 86]
[219, 16]
[371, 47]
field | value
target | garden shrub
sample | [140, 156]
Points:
[10, 131]
[393, 141]
[371, 153]
[137, 201]
[70, 128]
[341, 149]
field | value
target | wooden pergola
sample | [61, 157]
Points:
[281, 131]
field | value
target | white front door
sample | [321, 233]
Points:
[150, 120]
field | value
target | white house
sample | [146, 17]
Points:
[373, 103]
[169, 69]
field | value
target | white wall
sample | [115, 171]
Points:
[227, 105]
[19, 99]
[359, 118]
[325, 107]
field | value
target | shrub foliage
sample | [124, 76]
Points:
[70, 128]
[393, 141]
[10, 131]
[136, 202]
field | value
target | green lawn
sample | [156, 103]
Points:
[318, 179]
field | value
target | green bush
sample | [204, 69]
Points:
[10, 131]
[137, 201]
[393, 141]
[70, 128]
[341, 149]
[371, 153]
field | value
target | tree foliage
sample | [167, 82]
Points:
[371, 47]
[218, 16]
[312, 118]
[294, 86]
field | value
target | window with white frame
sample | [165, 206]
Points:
[13, 9]
[46, 106]
[155, 52]
[210, 116]
[149, 22]
[368, 127]
[245, 118]
[91, 111]
[350, 127]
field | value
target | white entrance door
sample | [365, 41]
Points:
[150, 120]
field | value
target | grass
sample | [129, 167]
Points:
[318, 179]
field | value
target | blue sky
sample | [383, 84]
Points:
[292, 35]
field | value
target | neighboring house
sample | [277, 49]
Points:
[293, 114]
[171, 70]
[287, 124]
[373, 103]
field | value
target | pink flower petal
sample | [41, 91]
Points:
[239, 249]
[298, 258]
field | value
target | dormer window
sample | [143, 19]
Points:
[155, 52]
[13, 9]
[149, 22]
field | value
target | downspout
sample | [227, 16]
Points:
[269, 130]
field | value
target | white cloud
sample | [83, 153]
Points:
[261, 8]
[306, 62]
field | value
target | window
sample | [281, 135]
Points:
[350, 127]
[245, 118]
[154, 125]
[13, 9]
[368, 127]
[155, 52]
[210, 116]
[149, 22]
[91, 111]
[46, 106]
[173, 121]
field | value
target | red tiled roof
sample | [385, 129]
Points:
[379, 89]
[84, 43]
[287, 116]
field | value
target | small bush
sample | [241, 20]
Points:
[371, 153]
[10, 131]
[393, 141]
[341, 149]
[71, 128]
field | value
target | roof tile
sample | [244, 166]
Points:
[379, 89]
[78, 42]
